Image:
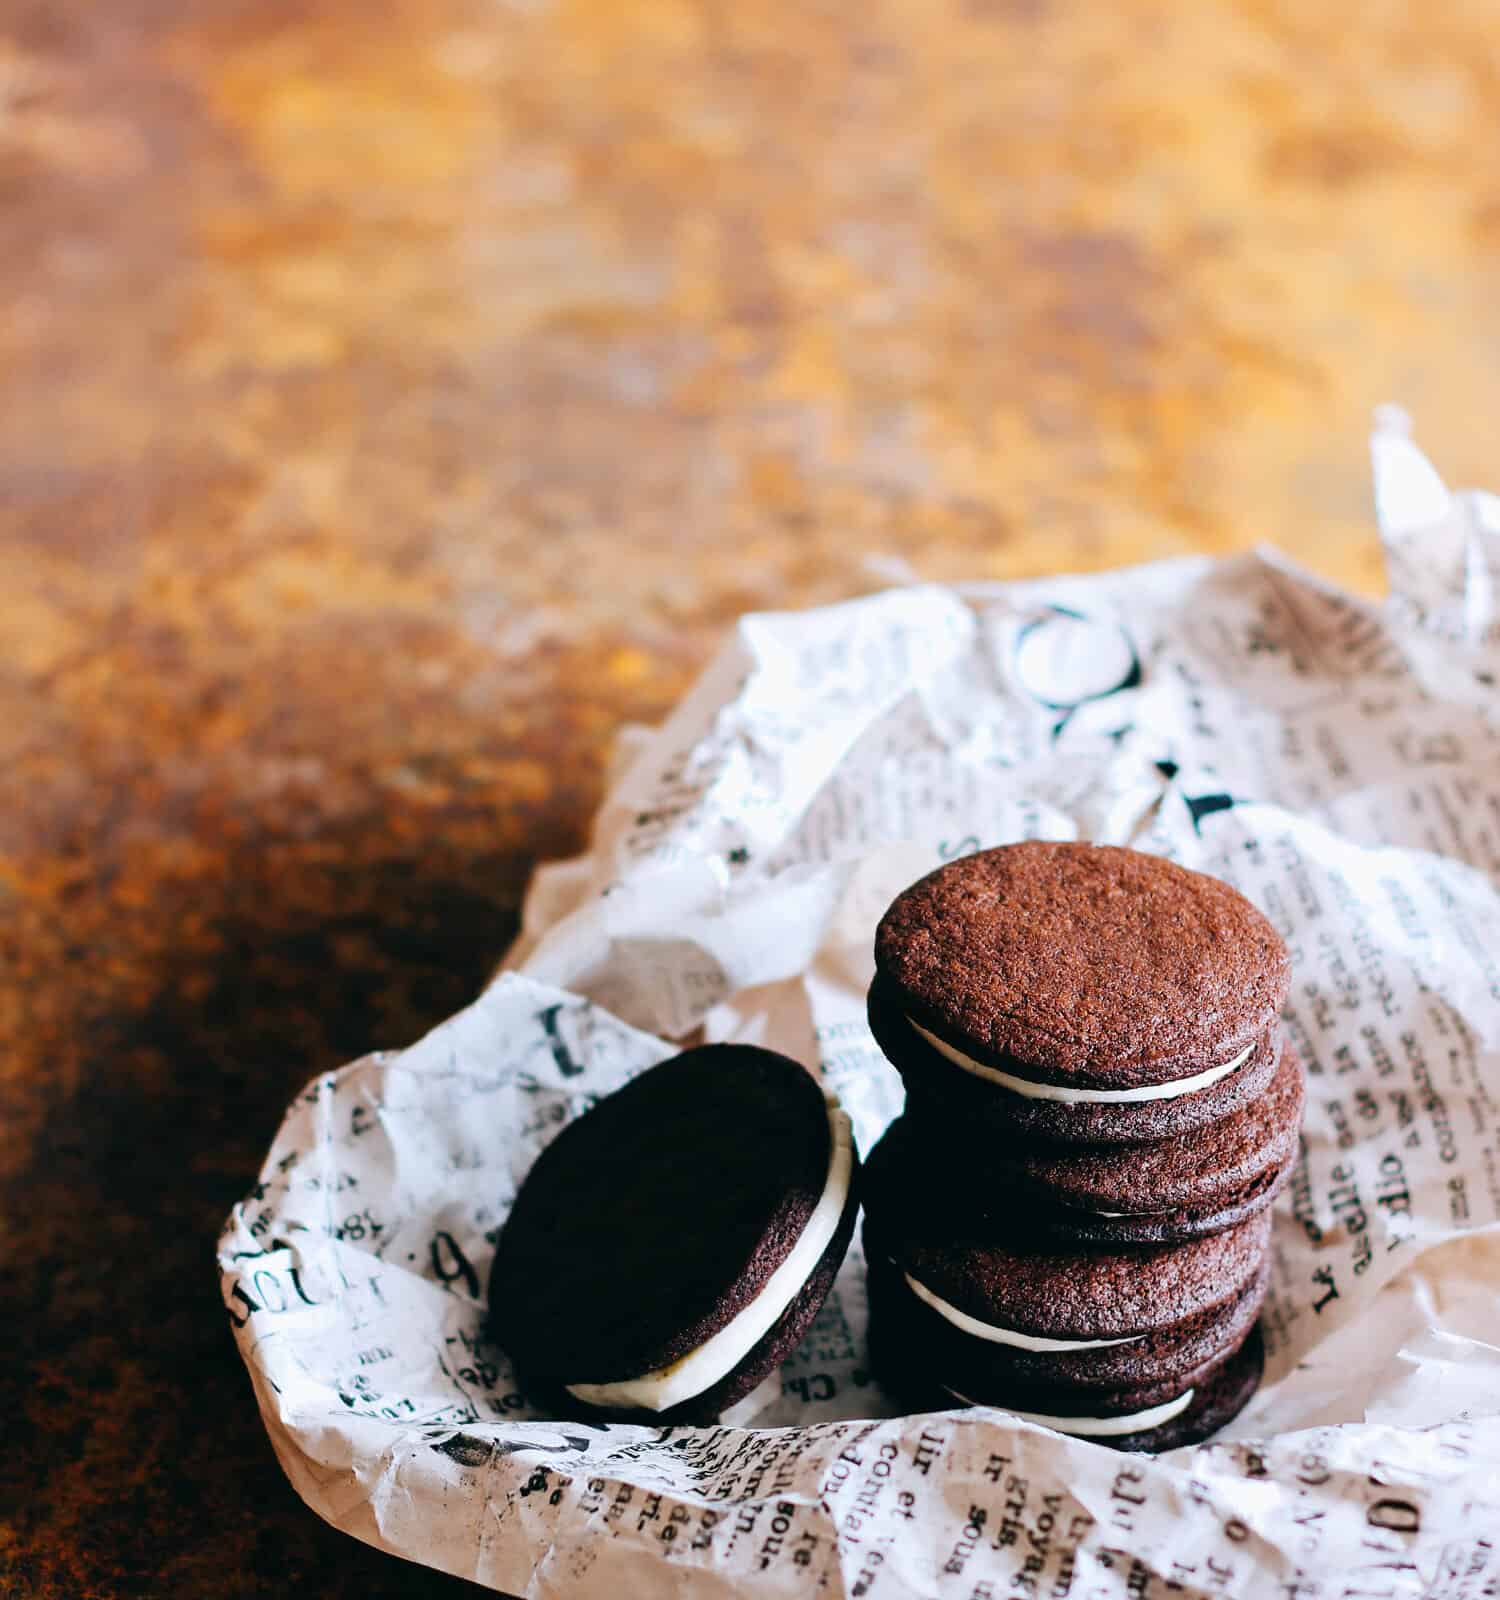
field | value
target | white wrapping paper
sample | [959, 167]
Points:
[1337, 760]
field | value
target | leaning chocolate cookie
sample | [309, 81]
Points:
[1106, 1195]
[671, 1247]
[1080, 992]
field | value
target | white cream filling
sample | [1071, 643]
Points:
[985, 1330]
[1097, 1427]
[701, 1368]
[1077, 1097]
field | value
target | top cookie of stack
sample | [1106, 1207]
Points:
[1105, 1023]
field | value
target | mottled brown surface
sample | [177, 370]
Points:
[399, 397]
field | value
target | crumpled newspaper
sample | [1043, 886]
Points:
[1338, 760]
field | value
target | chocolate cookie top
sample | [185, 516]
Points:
[1084, 966]
[649, 1223]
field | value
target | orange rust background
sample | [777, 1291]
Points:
[398, 397]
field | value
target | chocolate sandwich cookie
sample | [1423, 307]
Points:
[1142, 1418]
[1159, 1193]
[1141, 1349]
[671, 1247]
[993, 1303]
[944, 1346]
[1079, 992]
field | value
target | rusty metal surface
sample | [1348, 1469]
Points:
[399, 397]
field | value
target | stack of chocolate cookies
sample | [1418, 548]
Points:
[1071, 1219]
